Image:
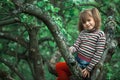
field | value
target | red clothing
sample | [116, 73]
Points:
[63, 71]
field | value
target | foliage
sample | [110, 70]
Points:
[113, 67]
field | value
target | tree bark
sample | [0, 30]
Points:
[34, 55]
[13, 68]
[99, 71]
[37, 12]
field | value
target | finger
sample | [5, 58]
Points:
[83, 70]
[88, 75]
[84, 74]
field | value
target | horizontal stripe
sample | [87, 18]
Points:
[90, 46]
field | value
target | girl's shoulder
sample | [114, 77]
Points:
[100, 33]
[82, 32]
[95, 33]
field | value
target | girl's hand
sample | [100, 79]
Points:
[72, 49]
[85, 73]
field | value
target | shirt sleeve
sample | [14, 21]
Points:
[100, 46]
[77, 43]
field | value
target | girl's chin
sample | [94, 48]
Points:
[88, 29]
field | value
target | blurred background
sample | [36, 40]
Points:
[25, 41]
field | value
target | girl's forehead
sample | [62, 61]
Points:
[85, 17]
[87, 14]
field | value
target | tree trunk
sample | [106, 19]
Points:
[111, 43]
[34, 55]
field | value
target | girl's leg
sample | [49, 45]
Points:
[63, 71]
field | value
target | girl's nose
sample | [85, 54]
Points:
[87, 22]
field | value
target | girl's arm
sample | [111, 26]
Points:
[74, 48]
[99, 51]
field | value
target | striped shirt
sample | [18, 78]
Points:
[90, 47]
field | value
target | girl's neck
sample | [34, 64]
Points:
[91, 31]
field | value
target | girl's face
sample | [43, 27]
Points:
[89, 24]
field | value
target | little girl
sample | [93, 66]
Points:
[89, 46]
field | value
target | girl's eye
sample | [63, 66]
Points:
[84, 22]
[88, 20]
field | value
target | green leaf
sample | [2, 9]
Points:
[40, 4]
[1, 46]
[52, 44]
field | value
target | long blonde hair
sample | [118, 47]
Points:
[89, 13]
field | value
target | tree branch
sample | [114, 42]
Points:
[9, 21]
[16, 54]
[13, 68]
[111, 44]
[45, 39]
[5, 76]
[13, 38]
